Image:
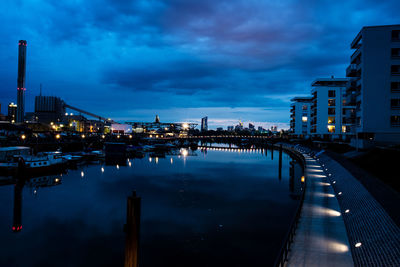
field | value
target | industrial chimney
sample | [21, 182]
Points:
[21, 80]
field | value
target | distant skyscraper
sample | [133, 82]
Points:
[204, 124]
[12, 112]
[21, 81]
[230, 128]
[252, 127]
[157, 120]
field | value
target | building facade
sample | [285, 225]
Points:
[49, 109]
[300, 116]
[204, 124]
[12, 112]
[375, 86]
[328, 108]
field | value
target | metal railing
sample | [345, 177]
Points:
[284, 251]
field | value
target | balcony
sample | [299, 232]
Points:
[351, 71]
[350, 121]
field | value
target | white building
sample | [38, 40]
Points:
[375, 87]
[300, 116]
[328, 109]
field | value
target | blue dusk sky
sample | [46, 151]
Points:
[181, 59]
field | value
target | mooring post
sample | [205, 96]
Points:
[132, 230]
[280, 161]
[272, 152]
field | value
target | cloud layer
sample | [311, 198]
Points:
[118, 58]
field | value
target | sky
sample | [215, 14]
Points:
[229, 60]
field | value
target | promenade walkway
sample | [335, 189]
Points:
[321, 238]
[368, 224]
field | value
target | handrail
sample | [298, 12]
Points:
[284, 251]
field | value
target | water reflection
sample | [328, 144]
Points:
[197, 210]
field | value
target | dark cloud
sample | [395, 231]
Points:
[229, 53]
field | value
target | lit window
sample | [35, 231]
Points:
[343, 129]
[304, 119]
[331, 120]
[331, 102]
[331, 128]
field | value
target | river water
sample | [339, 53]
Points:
[214, 207]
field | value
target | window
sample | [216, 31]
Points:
[396, 35]
[304, 118]
[331, 93]
[305, 107]
[395, 87]
[395, 121]
[395, 69]
[331, 120]
[395, 52]
[344, 129]
[395, 103]
[331, 128]
[331, 102]
[331, 111]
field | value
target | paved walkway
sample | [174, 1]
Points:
[321, 238]
[366, 221]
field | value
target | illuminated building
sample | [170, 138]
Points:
[12, 112]
[328, 106]
[374, 90]
[21, 81]
[300, 111]
[204, 124]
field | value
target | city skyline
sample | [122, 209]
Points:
[182, 60]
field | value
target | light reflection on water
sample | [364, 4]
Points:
[211, 207]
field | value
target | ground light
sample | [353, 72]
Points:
[23, 137]
[357, 245]
[339, 193]
[347, 211]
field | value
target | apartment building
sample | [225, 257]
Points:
[328, 108]
[374, 88]
[300, 116]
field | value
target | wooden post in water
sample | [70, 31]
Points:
[272, 152]
[132, 230]
[280, 162]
